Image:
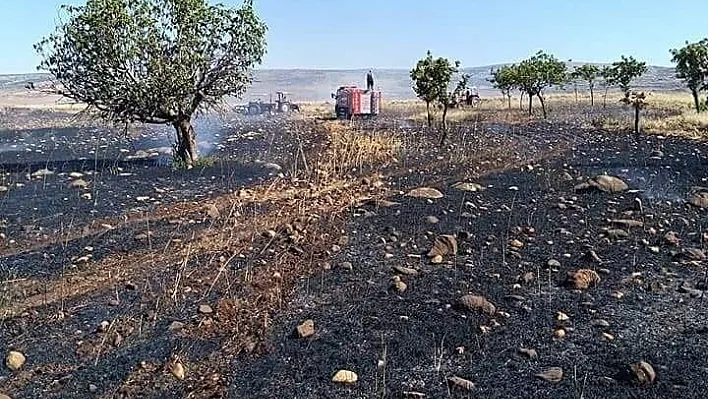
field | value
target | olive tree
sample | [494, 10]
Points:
[432, 78]
[692, 67]
[504, 79]
[589, 74]
[538, 73]
[608, 78]
[154, 61]
[625, 71]
[424, 84]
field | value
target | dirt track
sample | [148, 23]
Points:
[395, 341]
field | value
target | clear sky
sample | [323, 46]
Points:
[395, 33]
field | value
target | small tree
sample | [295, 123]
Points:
[154, 61]
[432, 78]
[625, 71]
[424, 86]
[608, 78]
[588, 73]
[637, 100]
[504, 79]
[538, 73]
[692, 66]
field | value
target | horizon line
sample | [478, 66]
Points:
[365, 68]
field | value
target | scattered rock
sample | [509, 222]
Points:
[605, 183]
[600, 323]
[398, 284]
[347, 266]
[177, 370]
[528, 277]
[425, 192]
[175, 326]
[205, 309]
[516, 244]
[443, 245]
[212, 211]
[617, 234]
[693, 254]
[477, 302]
[468, 186]
[552, 374]
[42, 172]
[15, 360]
[405, 270]
[272, 166]
[582, 279]
[699, 199]
[461, 383]
[436, 260]
[642, 372]
[552, 263]
[92, 388]
[345, 376]
[530, 353]
[628, 223]
[608, 336]
[78, 183]
[672, 238]
[560, 316]
[306, 329]
[559, 333]
[431, 220]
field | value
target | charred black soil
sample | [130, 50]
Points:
[216, 268]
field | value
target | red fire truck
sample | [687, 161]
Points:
[352, 101]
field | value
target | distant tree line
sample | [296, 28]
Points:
[532, 77]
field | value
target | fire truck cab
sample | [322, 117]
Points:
[353, 101]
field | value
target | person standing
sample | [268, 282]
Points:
[369, 81]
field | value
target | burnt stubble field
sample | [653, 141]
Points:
[142, 281]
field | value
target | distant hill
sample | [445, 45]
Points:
[316, 85]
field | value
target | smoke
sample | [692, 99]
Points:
[157, 140]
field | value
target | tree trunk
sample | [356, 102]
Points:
[444, 125]
[592, 96]
[604, 100]
[430, 117]
[186, 141]
[508, 96]
[521, 101]
[543, 105]
[636, 119]
[575, 87]
[530, 104]
[694, 92]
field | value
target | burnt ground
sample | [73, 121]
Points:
[650, 298]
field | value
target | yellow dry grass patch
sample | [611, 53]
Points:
[355, 149]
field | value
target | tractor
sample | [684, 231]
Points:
[281, 105]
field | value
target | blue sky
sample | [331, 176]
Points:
[395, 33]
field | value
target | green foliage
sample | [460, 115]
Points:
[432, 78]
[153, 61]
[539, 72]
[692, 67]
[692, 64]
[504, 79]
[623, 72]
[588, 73]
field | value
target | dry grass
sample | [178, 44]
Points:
[352, 150]
[666, 112]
